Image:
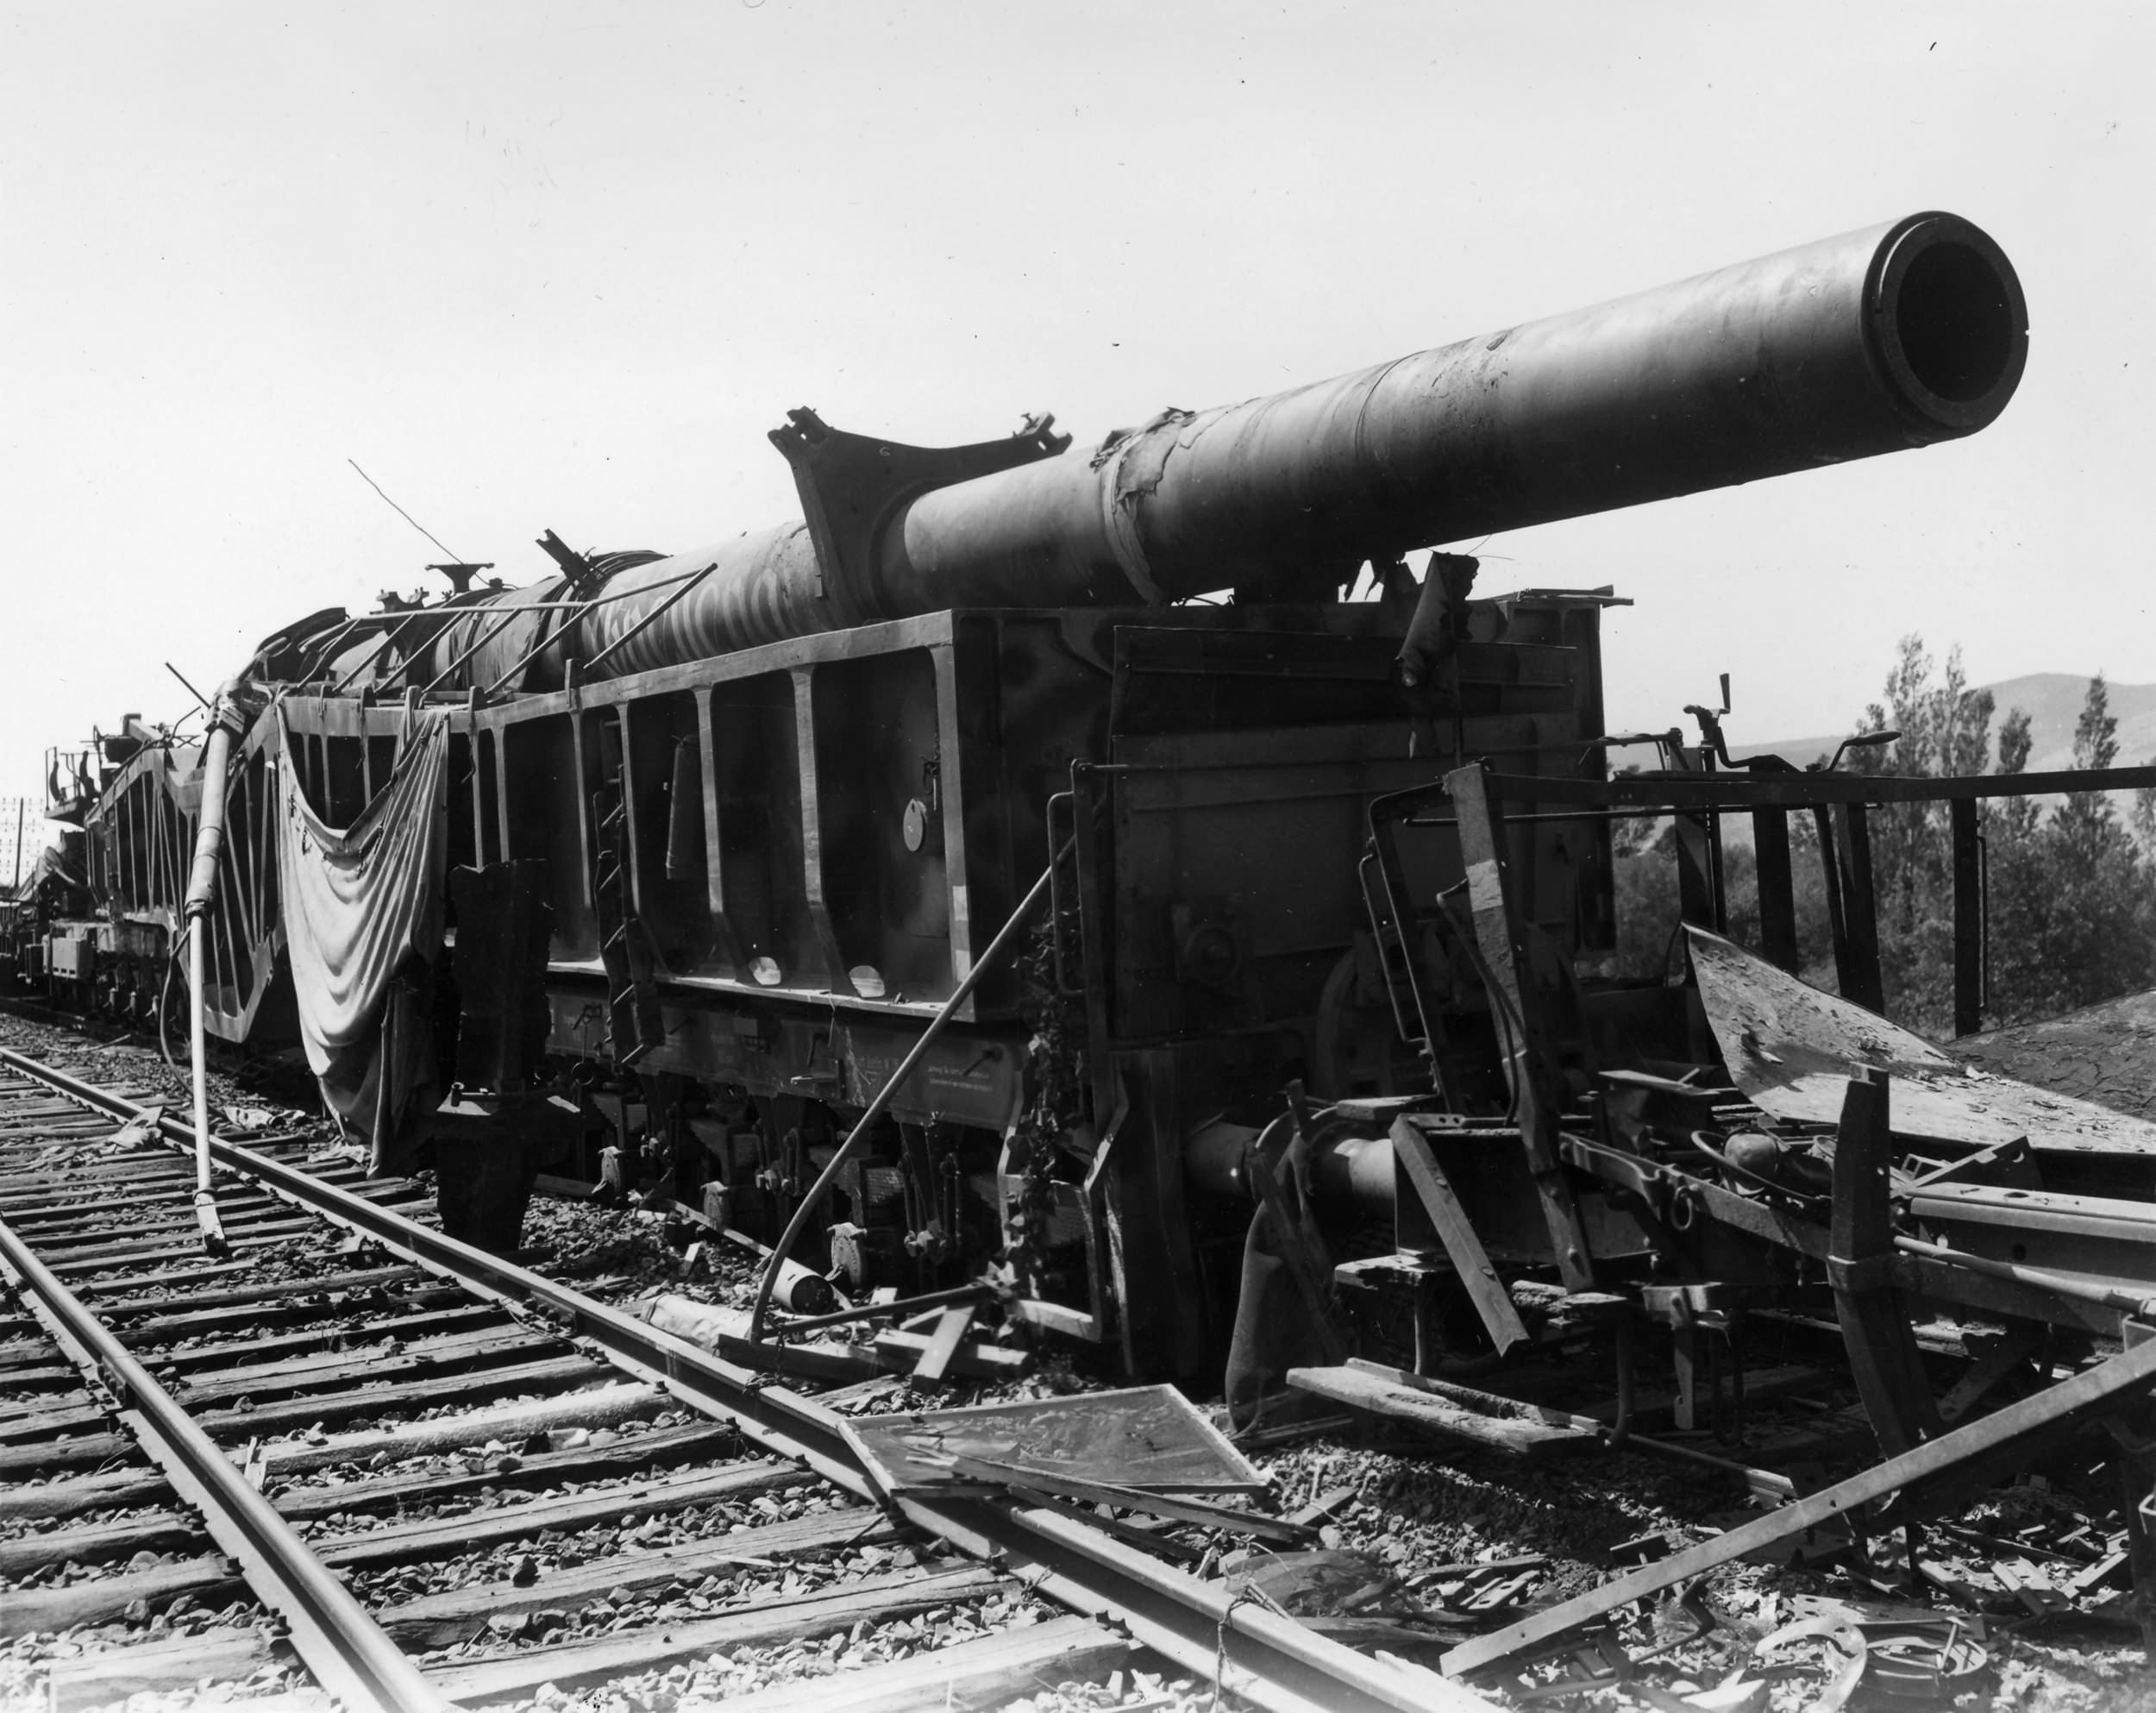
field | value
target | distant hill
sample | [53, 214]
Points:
[2054, 702]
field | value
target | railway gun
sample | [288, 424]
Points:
[1028, 870]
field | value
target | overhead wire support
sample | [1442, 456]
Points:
[456, 556]
[190, 688]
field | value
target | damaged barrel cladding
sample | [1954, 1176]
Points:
[732, 838]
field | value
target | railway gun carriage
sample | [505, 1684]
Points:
[688, 853]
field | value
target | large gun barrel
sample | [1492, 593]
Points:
[1891, 337]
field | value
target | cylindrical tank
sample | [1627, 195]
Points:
[1887, 338]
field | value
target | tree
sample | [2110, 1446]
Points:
[2070, 915]
[1945, 729]
[2070, 897]
[2072, 919]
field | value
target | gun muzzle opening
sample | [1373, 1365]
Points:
[1950, 324]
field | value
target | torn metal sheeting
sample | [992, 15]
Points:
[1146, 1438]
[1792, 1049]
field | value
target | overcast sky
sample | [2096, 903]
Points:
[553, 265]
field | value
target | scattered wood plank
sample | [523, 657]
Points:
[724, 1332]
[82, 1263]
[943, 1344]
[461, 1614]
[1325, 1505]
[81, 1451]
[989, 1672]
[1452, 1412]
[166, 1666]
[994, 1475]
[58, 1500]
[105, 1600]
[976, 1358]
[96, 1290]
[444, 1537]
[212, 1580]
[2088, 1393]
[465, 1317]
[513, 1677]
[276, 1292]
[603, 1406]
[159, 1531]
[458, 1352]
[556, 1372]
[626, 1456]
[165, 1329]
[861, 1391]
[77, 1495]
[1456, 1232]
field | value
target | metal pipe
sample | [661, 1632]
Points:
[1345, 1172]
[2061, 1284]
[202, 891]
[1891, 337]
[1005, 936]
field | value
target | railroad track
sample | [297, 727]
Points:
[610, 1501]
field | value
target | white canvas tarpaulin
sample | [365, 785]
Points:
[363, 914]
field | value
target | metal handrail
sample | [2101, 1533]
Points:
[685, 578]
[385, 639]
[650, 617]
[511, 613]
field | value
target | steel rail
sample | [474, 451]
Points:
[1204, 1628]
[347, 1652]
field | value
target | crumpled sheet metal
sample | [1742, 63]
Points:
[358, 906]
[1792, 1048]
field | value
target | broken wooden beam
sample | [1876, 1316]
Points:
[724, 1332]
[990, 1672]
[2104, 1386]
[1452, 1412]
[1455, 1233]
[1875, 1321]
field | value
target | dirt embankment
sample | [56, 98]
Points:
[2105, 1053]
